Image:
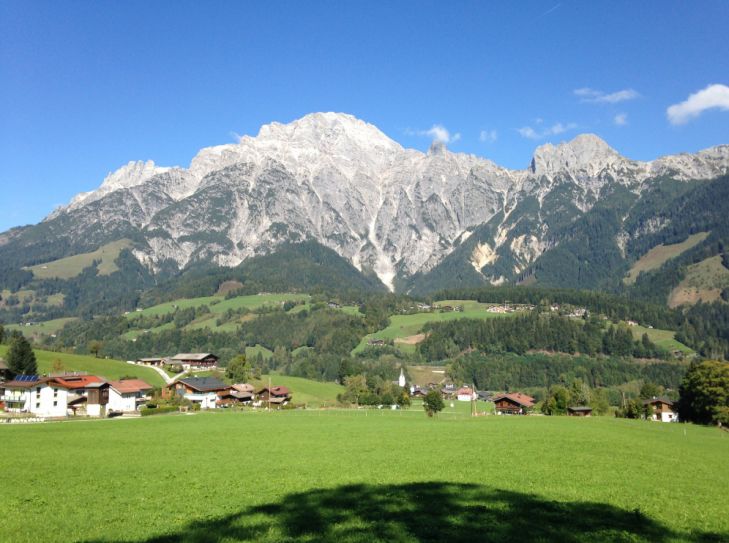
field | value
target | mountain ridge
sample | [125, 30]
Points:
[336, 179]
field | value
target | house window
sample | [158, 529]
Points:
[55, 403]
[37, 405]
[37, 390]
[55, 392]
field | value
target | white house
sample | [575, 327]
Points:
[127, 395]
[465, 394]
[663, 410]
[43, 397]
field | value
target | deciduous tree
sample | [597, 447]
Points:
[433, 403]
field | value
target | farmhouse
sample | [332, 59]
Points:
[190, 361]
[126, 395]
[513, 404]
[663, 410]
[581, 411]
[465, 394]
[200, 390]
[154, 361]
[278, 395]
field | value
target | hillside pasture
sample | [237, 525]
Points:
[659, 255]
[663, 338]
[361, 476]
[403, 328]
[304, 391]
[106, 368]
[703, 282]
[41, 329]
[71, 266]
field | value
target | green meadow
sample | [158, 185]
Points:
[71, 266]
[218, 304]
[406, 326]
[305, 391]
[363, 476]
[109, 369]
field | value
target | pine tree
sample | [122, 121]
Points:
[21, 358]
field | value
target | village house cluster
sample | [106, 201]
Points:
[78, 394]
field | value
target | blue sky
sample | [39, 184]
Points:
[88, 86]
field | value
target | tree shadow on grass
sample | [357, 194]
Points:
[428, 512]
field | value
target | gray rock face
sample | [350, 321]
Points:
[341, 181]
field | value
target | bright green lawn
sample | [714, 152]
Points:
[109, 369]
[363, 476]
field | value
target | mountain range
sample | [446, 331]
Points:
[577, 216]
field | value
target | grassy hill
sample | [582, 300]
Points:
[703, 282]
[311, 393]
[404, 329]
[109, 369]
[661, 254]
[366, 476]
[663, 338]
[40, 329]
[71, 266]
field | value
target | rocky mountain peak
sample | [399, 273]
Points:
[586, 152]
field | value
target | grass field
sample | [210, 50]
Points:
[663, 338]
[218, 304]
[305, 391]
[704, 282]
[405, 326]
[364, 476]
[661, 254]
[109, 369]
[40, 329]
[71, 266]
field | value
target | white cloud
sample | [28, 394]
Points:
[437, 132]
[593, 96]
[621, 119]
[713, 96]
[488, 136]
[557, 128]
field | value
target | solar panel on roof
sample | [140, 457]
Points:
[27, 378]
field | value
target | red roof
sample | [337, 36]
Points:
[465, 391]
[127, 386]
[72, 382]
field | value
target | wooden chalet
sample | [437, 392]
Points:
[579, 411]
[238, 394]
[275, 394]
[663, 409]
[515, 403]
[195, 360]
[205, 391]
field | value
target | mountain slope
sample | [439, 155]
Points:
[579, 214]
